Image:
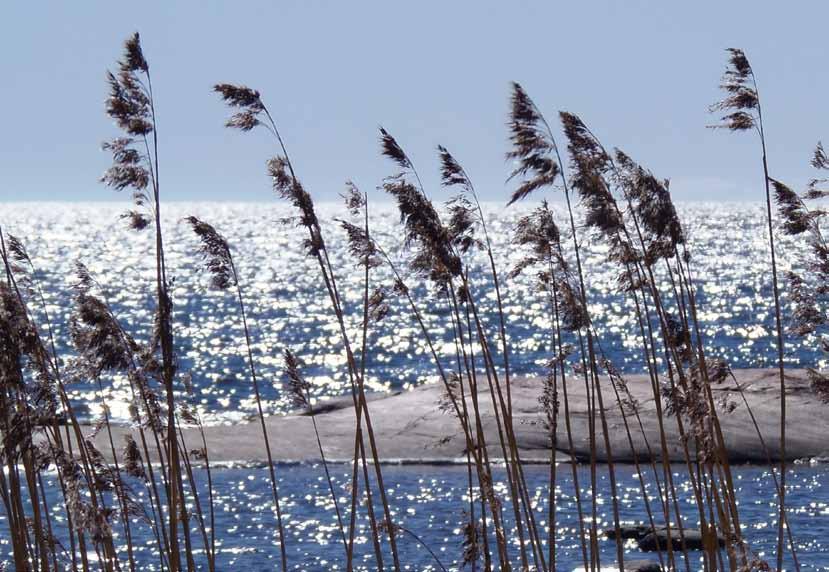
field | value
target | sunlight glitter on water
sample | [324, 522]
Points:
[431, 501]
[288, 307]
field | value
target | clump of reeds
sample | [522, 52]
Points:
[802, 215]
[251, 112]
[441, 249]
[641, 235]
[135, 166]
[623, 205]
[35, 406]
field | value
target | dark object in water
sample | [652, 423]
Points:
[642, 566]
[627, 532]
[658, 539]
[651, 540]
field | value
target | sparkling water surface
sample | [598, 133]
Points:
[289, 308]
[430, 501]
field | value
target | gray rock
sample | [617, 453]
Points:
[410, 428]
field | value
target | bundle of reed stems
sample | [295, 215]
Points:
[621, 203]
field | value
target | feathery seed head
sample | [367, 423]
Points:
[215, 254]
[246, 100]
[392, 150]
[532, 146]
[298, 387]
[741, 103]
[133, 55]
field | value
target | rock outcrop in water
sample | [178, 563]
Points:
[410, 428]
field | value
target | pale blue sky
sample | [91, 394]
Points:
[641, 74]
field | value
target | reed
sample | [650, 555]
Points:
[743, 112]
[36, 401]
[438, 255]
[104, 346]
[136, 166]
[299, 389]
[218, 262]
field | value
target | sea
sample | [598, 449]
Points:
[287, 307]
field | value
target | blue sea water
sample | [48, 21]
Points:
[430, 502]
[288, 308]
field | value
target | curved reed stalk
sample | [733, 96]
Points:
[361, 248]
[218, 261]
[743, 112]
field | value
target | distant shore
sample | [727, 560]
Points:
[410, 428]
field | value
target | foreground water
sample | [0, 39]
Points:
[289, 308]
[429, 502]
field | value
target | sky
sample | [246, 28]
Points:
[640, 74]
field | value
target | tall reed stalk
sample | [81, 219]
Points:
[218, 262]
[299, 389]
[743, 112]
[136, 166]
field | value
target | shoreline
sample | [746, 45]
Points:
[411, 430]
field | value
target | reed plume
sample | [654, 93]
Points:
[808, 288]
[299, 390]
[532, 147]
